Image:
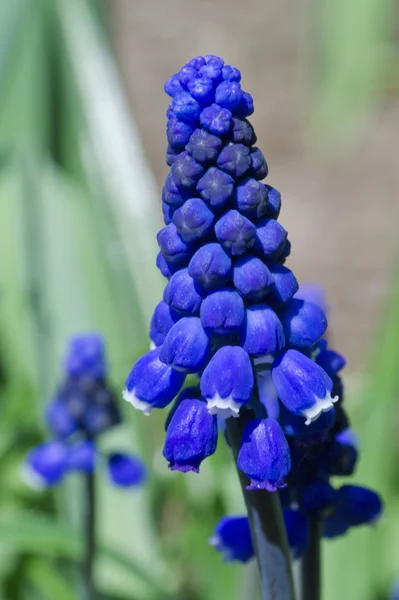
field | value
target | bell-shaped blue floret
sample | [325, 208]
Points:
[301, 385]
[186, 172]
[262, 332]
[45, 465]
[173, 86]
[175, 250]
[331, 361]
[186, 393]
[235, 232]
[222, 312]
[246, 106]
[191, 436]
[166, 269]
[228, 94]
[81, 456]
[251, 278]
[85, 356]
[304, 323]
[162, 321]
[264, 455]
[241, 132]
[151, 383]
[185, 107]
[215, 119]
[203, 146]
[186, 74]
[212, 72]
[312, 292]
[194, 220]
[170, 194]
[182, 293]
[232, 538]
[274, 204]
[126, 470]
[234, 160]
[251, 198]
[210, 266]
[227, 381]
[186, 346]
[359, 505]
[284, 287]
[178, 134]
[230, 73]
[295, 426]
[297, 528]
[202, 90]
[270, 239]
[258, 168]
[59, 419]
[216, 188]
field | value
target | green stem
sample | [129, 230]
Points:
[311, 563]
[90, 541]
[267, 528]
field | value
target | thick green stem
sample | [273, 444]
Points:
[267, 528]
[311, 563]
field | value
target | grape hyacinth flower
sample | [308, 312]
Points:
[233, 317]
[84, 407]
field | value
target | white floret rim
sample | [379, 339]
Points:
[131, 397]
[223, 407]
[320, 405]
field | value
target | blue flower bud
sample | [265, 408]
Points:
[297, 529]
[210, 266]
[228, 94]
[202, 90]
[270, 239]
[186, 346]
[258, 169]
[286, 251]
[274, 204]
[173, 87]
[126, 471]
[203, 146]
[241, 132]
[191, 436]
[182, 293]
[227, 381]
[197, 62]
[304, 323]
[246, 106]
[251, 198]
[222, 312]
[174, 249]
[251, 277]
[186, 172]
[194, 220]
[359, 505]
[185, 107]
[170, 193]
[166, 270]
[334, 524]
[85, 356]
[232, 538]
[45, 465]
[301, 385]
[186, 393]
[151, 383]
[162, 321]
[216, 187]
[234, 160]
[262, 332]
[81, 457]
[212, 72]
[332, 362]
[170, 155]
[235, 232]
[186, 74]
[216, 61]
[167, 213]
[215, 119]
[295, 426]
[230, 73]
[284, 287]
[178, 133]
[59, 419]
[264, 455]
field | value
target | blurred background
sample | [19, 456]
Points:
[82, 144]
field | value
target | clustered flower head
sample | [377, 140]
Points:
[230, 314]
[84, 407]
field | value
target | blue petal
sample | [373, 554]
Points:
[251, 278]
[194, 220]
[262, 332]
[232, 538]
[186, 346]
[183, 294]
[210, 266]
[304, 323]
[222, 312]
[46, 464]
[126, 470]
[251, 198]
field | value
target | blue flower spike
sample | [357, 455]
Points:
[264, 455]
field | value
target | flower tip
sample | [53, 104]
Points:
[223, 407]
[321, 405]
[131, 397]
[183, 468]
[265, 485]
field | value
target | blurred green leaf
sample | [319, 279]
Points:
[48, 581]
